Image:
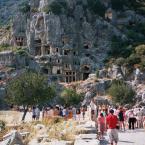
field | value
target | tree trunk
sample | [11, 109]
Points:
[25, 112]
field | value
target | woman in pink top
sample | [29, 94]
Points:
[101, 126]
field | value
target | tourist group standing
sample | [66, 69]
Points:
[112, 120]
[75, 113]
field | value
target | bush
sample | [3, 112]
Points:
[140, 50]
[56, 7]
[96, 7]
[133, 59]
[119, 48]
[2, 125]
[70, 97]
[24, 7]
[120, 61]
[121, 93]
[97, 73]
[135, 36]
[4, 47]
[117, 4]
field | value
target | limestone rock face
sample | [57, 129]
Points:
[71, 36]
[65, 38]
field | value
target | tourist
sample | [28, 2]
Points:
[78, 112]
[131, 119]
[101, 126]
[83, 112]
[74, 113]
[61, 112]
[67, 113]
[43, 112]
[137, 73]
[33, 113]
[139, 118]
[64, 112]
[93, 109]
[51, 112]
[111, 125]
[121, 117]
[37, 111]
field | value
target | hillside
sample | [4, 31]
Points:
[8, 9]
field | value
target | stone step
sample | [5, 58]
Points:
[87, 131]
[86, 136]
[87, 142]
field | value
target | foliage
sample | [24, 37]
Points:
[96, 7]
[21, 52]
[29, 89]
[24, 7]
[70, 97]
[140, 50]
[2, 125]
[121, 93]
[34, 10]
[56, 7]
[133, 59]
[135, 36]
[4, 47]
[119, 48]
[117, 4]
[120, 61]
[97, 73]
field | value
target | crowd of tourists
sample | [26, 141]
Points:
[107, 119]
[72, 112]
[111, 120]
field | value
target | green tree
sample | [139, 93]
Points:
[29, 89]
[121, 93]
[70, 97]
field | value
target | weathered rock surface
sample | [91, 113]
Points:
[12, 138]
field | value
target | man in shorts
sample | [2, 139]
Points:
[111, 124]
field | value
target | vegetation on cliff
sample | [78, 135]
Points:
[121, 93]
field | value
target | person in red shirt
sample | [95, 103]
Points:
[111, 124]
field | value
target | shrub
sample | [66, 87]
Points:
[135, 36]
[133, 59]
[2, 125]
[120, 61]
[4, 47]
[70, 97]
[97, 73]
[117, 4]
[96, 7]
[119, 48]
[56, 7]
[140, 50]
[121, 93]
[24, 7]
